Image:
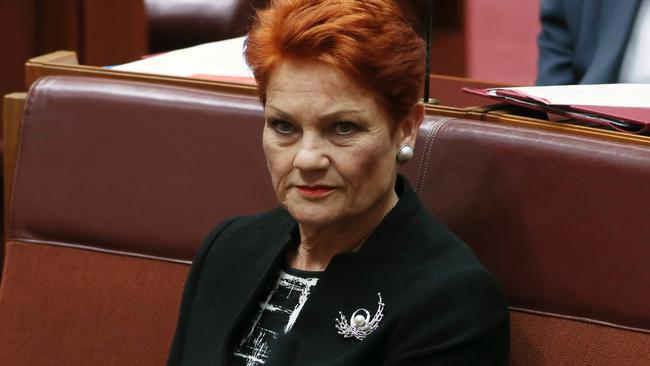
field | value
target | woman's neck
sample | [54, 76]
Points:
[319, 244]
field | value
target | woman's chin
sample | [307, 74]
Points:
[312, 217]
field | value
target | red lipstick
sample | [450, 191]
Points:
[314, 191]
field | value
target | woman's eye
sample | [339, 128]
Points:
[345, 128]
[282, 127]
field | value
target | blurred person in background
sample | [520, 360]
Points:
[594, 42]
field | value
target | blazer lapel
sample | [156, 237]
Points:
[240, 265]
[616, 22]
[252, 283]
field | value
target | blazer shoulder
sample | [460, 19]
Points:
[262, 223]
[467, 283]
[252, 228]
[237, 224]
[436, 246]
[440, 263]
[461, 317]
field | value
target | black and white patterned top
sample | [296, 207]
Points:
[276, 315]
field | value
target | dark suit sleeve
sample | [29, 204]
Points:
[556, 45]
[464, 322]
[176, 350]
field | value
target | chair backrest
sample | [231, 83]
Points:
[174, 24]
[117, 182]
[561, 219]
[177, 24]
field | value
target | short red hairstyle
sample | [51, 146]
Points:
[369, 40]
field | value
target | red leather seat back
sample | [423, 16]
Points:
[561, 219]
[116, 184]
[177, 24]
[135, 167]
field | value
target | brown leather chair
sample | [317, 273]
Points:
[175, 24]
[115, 186]
[116, 183]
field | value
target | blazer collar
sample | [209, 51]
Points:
[408, 205]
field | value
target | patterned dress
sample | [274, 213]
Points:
[276, 315]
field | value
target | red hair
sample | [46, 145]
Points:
[369, 40]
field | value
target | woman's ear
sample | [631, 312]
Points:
[411, 124]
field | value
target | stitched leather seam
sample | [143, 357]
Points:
[102, 250]
[427, 153]
[580, 319]
[423, 161]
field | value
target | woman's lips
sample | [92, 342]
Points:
[314, 191]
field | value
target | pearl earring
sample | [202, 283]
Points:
[405, 153]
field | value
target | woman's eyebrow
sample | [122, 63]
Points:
[278, 112]
[339, 114]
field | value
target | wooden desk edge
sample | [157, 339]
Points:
[477, 113]
[56, 57]
[65, 63]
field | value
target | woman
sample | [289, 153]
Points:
[351, 270]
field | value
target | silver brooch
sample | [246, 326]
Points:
[360, 324]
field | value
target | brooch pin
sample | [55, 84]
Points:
[360, 324]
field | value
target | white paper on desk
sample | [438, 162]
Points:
[614, 95]
[223, 58]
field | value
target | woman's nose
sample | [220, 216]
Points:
[311, 155]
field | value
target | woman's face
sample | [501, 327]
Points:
[330, 146]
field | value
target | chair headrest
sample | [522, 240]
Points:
[135, 167]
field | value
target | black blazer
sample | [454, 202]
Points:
[441, 306]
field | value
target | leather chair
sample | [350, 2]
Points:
[559, 218]
[175, 24]
[116, 183]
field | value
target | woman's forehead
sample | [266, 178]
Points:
[313, 84]
[313, 76]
